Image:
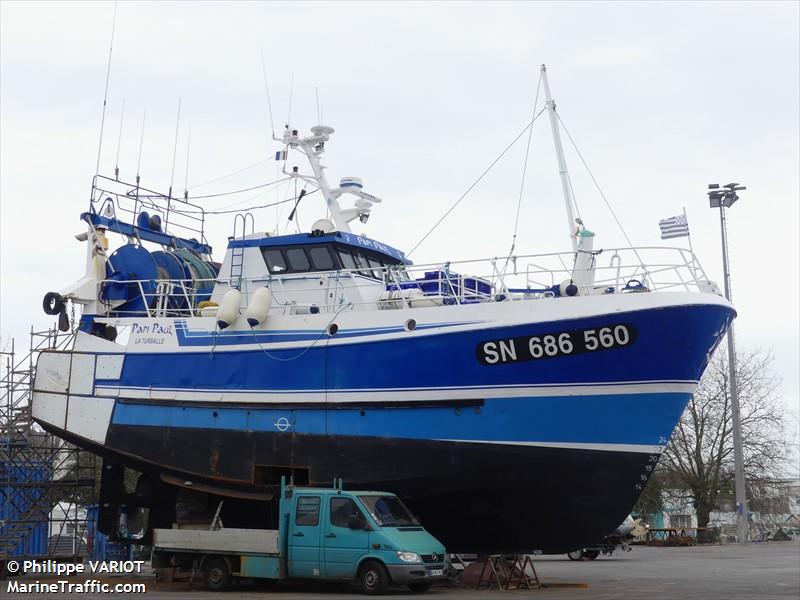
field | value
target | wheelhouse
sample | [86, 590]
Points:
[315, 253]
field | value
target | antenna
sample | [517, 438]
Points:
[266, 89]
[175, 149]
[119, 141]
[105, 94]
[291, 92]
[141, 143]
[186, 173]
[319, 115]
[299, 197]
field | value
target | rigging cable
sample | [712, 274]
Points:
[474, 183]
[230, 206]
[261, 162]
[255, 187]
[524, 172]
[225, 211]
[597, 185]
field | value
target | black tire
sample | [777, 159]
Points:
[373, 578]
[591, 554]
[53, 303]
[217, 575]
[575, 555]
[419, 588]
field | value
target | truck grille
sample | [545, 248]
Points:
[432, 558]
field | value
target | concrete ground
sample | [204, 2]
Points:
[766, 571]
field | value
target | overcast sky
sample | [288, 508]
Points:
[661, 98]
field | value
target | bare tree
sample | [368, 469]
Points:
[700, 454]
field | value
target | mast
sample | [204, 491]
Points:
[313, 146]
[562, 163]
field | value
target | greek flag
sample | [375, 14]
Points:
[674, 227]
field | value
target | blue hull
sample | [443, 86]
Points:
[569, 399]
[672, 344]
[430, 417]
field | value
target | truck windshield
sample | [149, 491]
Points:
[388, 511]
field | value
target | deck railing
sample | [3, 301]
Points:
[516, 278]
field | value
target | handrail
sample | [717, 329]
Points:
[454, 282]
[179, 216]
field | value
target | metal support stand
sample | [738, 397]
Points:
[508, 572]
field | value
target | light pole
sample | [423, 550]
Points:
[723, 197]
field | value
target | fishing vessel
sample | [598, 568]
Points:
[516, 404]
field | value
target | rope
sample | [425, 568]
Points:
[317, 339]
[476, 182]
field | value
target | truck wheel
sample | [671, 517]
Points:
[575, 555]
[373, 578]
[419, 588]
[217, 575]
[591, 554]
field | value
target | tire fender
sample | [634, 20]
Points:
[368, 558]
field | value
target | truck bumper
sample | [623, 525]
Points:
[405, 574]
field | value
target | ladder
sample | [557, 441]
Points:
[237, 252]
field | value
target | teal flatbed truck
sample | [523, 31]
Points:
[369, 538]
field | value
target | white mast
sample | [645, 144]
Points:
[562, 164]
[313, 146]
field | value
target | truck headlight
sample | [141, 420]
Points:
[409, 557]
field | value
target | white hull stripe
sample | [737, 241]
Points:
[396, 395]
[642, 448]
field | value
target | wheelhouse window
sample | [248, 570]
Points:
[348, 261]
[327, 257]
[377, 266]
[365, 270]
[321, 258]
[276, 263]
[298, 260]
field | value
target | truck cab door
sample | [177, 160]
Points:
[346, 537]
[304, 537]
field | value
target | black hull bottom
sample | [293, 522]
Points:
[473, 497]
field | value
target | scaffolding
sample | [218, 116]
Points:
[45, 483]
